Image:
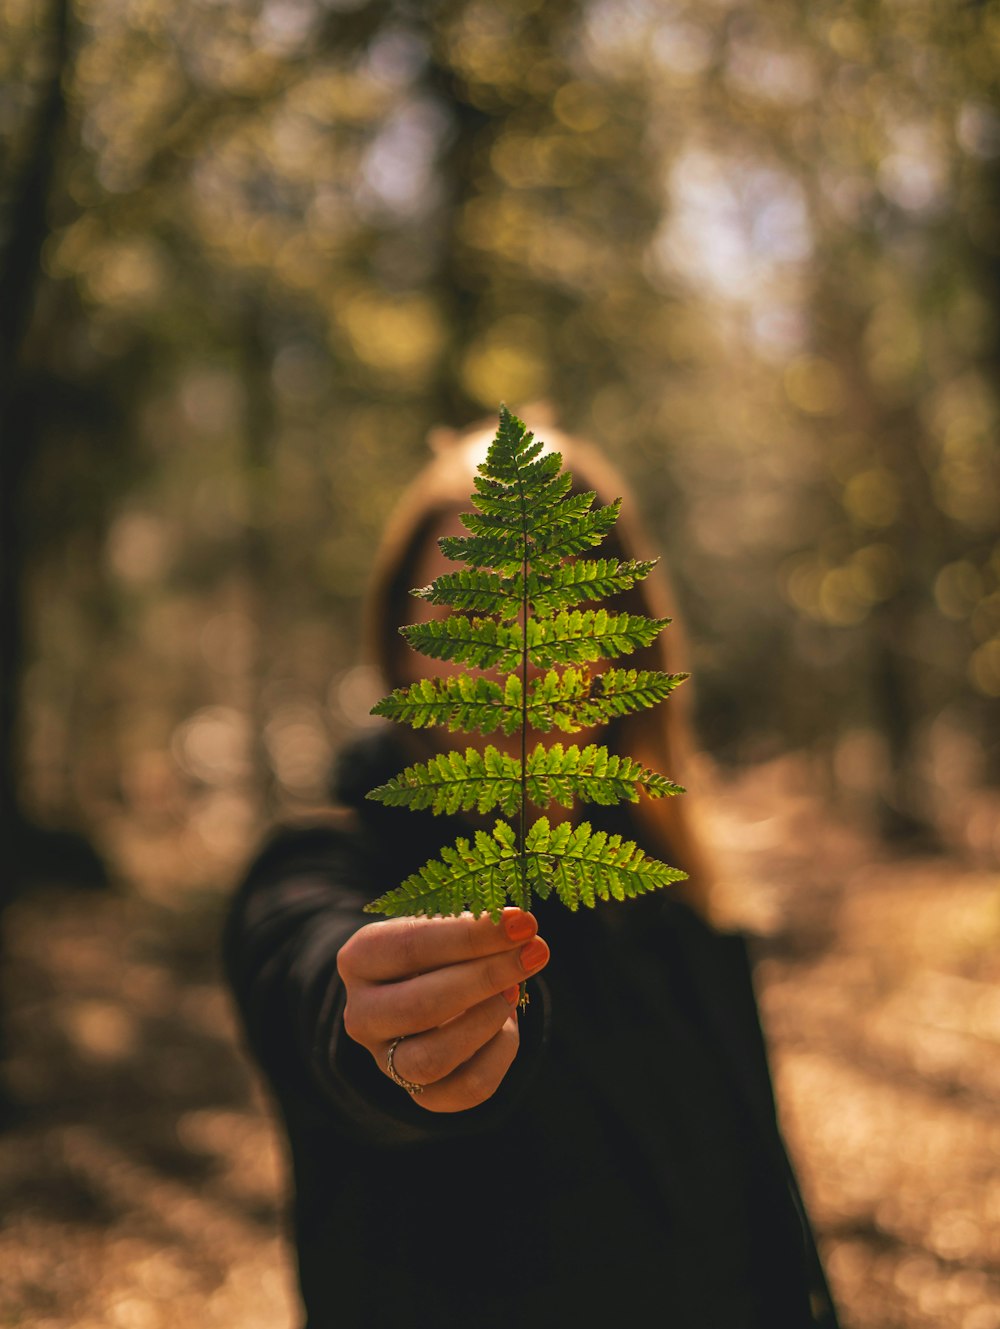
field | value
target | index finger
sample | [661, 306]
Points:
[401, 947]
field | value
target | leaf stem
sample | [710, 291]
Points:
[523, 815]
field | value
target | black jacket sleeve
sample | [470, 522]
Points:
[300, 901]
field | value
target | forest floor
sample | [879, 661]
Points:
[140, 1176]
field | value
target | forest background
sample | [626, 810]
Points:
[253, 252]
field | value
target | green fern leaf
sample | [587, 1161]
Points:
[479, 875]
[624, 691]
[574, 700]
[569, 638]
[586, 579]
[579, 636]
[583, 866]
[515, 606]
[474, 591]
[561, 516]
[479, 642]
[449, 782]
[576, 538]
[504, 548]
[570, 701]
[507, 502]
[501, 550]
[515, 454]
[558, 774]
[484, 593]
[463, 703]
[507, 508]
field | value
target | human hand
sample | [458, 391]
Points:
[447, 987]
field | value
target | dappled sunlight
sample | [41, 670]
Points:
[140, 1162]
[751, 251]
[880, 993]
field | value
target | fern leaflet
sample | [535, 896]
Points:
[451, 782]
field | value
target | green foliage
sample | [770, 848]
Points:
[581, 865]
[527, 527]
[569, 638]
[450, 782]
[574, 583]
[567, 701]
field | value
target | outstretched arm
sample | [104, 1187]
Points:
[439, 982]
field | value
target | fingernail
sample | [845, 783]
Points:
[534, 955]
[519, 926]
[511, 994]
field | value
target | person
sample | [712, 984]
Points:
[610, 1154]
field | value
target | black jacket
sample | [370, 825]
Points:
[629, 1170]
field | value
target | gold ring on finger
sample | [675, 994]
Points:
[394, 1075]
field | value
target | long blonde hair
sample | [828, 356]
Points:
[660, 738]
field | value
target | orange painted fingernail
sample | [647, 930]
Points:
[519, 926]
[511, 994]
[534, 955]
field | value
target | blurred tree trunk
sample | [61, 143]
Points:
[20, 276]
